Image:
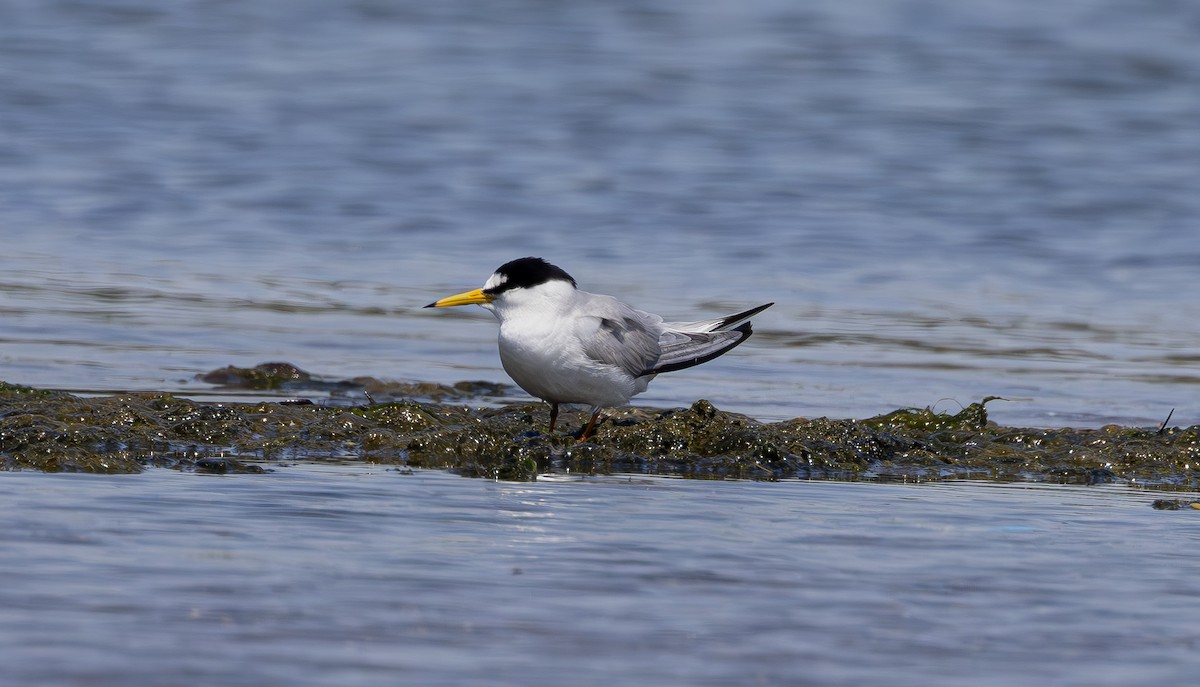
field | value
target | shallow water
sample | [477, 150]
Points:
[947, 200]
[353, 575]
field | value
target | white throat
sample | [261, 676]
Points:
[544, 300]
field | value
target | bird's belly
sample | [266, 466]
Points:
[553, 367]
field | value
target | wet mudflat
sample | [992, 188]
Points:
[55, 431]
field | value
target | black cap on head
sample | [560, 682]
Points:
[527, 272]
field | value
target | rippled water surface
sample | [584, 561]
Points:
[947, 200]
[354, 575]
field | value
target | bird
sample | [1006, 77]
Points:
[567, 346]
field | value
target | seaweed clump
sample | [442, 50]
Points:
[59, 432]
[967, 441]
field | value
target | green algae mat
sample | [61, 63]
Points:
[55, 431]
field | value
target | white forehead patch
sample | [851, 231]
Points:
[495, 281]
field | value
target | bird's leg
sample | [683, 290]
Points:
[553, 415]
[591, 426]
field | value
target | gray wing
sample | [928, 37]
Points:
[623, 337]
[641, 344]
[685, 344]
[685, 349]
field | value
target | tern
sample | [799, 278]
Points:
[567, 346]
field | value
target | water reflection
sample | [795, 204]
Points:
[464, 581]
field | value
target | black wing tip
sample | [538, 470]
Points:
[744, 315]
[431, 305]
[745, 329]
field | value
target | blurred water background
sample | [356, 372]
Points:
[947, 200]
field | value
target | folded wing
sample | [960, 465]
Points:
[624, 337]
[687, 344]
[641, 344]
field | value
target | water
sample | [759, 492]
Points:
[947, 200]
[356, 575]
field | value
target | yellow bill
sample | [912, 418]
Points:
[468, 298]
